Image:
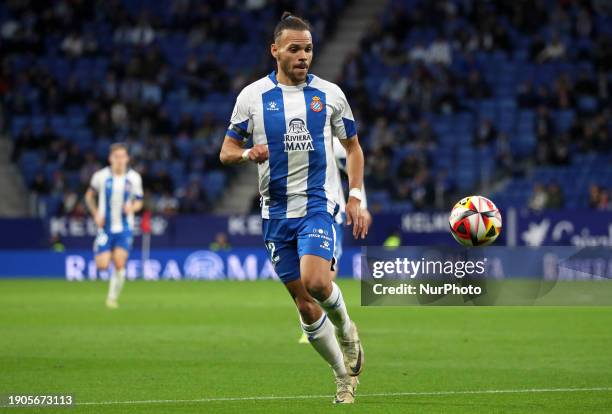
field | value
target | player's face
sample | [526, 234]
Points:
[119, 160]
[293, 53]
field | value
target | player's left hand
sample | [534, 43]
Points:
[355, 216]
[367, 218]
[128, 208]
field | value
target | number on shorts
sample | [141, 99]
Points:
[101, 239]
[272, 250]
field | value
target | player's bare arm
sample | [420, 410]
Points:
[90, 201]
[133, 206]
[232, 152]
[355, 166]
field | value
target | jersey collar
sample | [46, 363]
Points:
[272, 77]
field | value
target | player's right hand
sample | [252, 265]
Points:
[99, 222]
[259, 153]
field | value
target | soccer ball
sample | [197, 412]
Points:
[475, 221]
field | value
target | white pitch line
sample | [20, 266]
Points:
[382, 394]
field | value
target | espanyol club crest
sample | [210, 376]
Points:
[316, 105]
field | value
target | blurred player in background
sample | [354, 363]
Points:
[119, 196]
[291, 116]
[340, 158]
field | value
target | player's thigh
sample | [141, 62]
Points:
[281, 244]
[120, 256]
[103, 259]
[316, 251]
[121, 245]
[285, 259]
[316, 275]
[309, 310]
[102, 247]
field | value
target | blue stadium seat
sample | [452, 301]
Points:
[214, 183]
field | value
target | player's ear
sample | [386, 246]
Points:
[274, 50]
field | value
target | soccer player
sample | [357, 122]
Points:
[119, 196]
[340, 158]
[291, 116]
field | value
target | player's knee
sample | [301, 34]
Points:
[102, 264]
[119, 263]
[318, 287]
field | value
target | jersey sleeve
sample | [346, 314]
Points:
[137, 192]
[94, 183]
[342, 120]
[241, 122]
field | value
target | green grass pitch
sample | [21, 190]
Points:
[184, 347]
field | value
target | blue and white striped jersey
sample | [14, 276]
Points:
[113, 192]
[297, 123]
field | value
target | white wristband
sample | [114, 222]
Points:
[245, 154]
[356, 193]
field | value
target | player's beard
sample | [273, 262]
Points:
[292, 73]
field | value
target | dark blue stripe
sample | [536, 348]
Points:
[272, 77]
[244, 125]
[318, 326]
[275, 128]
[234, 135]
[349, 127]
[317, 160]
[107, 213]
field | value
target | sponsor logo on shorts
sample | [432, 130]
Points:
[325, 245]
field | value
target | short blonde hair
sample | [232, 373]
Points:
[118, 146]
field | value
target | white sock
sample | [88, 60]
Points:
[116, 284]
[321, 336]
[335, 308]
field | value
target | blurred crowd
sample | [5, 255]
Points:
[550, 197]
[430, 58]
[158, 78]
[127, 70]
[546, 197]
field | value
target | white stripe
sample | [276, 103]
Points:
[102, 199]
[259, 137]
[340, 194]
[297, 180]
[116, 203]
[335, 261]
[381, 394]
[332, 174]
